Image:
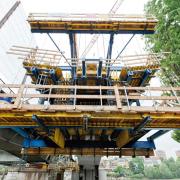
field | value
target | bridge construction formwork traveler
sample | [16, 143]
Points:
[85, 106]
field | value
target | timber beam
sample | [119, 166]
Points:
[88, 151]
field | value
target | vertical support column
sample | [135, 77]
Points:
[60, 176]
[75, 175]
[109, 53]
[73, 48]
[96, 172]
[99, 70]
[20, 95]
[118, 101]
[84, 68]
[89, 167]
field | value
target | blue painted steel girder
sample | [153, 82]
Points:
[93, 31]
[146, 74]
[109, 53]
[140, 126]
[21, 132]
[157, 134]
[33, 143]
[30, 143]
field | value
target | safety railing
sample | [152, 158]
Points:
[91, 17]
[36, 56]
[164, 99]
[123, 61]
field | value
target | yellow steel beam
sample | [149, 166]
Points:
[96, 119]
[58, 138]
[92, 25]
[88, 151]
[123, 138]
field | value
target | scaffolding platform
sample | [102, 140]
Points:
[124, 112]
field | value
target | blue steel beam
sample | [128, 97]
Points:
[68, 68]
[141, 145]
[145, 76]
[99, 70]
[21, 132]
[34, 143]
[109, 53]
[53, 76]
[157, 134]
[139, 127]
[129, 76]
[83, 68]
[125, 46]
[73, 50]
[40, 123]
[40, 143]
[93, 31]
[35, 72]
[111, 41]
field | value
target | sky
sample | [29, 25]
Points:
[136, 46]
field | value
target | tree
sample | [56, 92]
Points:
[152, 172]
[137, 165]
[120, 171]
[176, 135]
[166, 39]
[165, 172]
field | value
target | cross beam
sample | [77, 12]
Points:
[89, 151]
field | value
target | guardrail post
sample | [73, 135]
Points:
[19, 96]
[118, 101]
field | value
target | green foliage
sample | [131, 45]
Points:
[137, 176]
[152, 172]
[176, 135]
[120, 171]
[166, 39]
[168, 169]
[137, 165]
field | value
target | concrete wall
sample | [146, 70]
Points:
[26, 176]
[102, 174]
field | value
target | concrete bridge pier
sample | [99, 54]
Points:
[89, 168]
[60, 176]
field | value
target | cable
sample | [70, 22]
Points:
[58, 48]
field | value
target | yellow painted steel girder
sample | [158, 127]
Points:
[58, 138]
[95, 119]
[92, 25]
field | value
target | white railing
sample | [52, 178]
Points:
[91, 17]
[164, 99]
